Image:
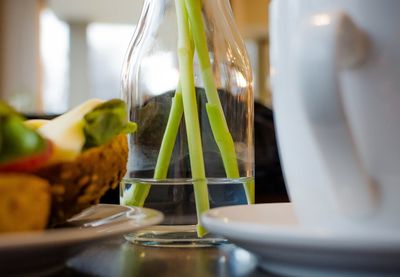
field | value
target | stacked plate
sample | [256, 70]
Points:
[283, 246]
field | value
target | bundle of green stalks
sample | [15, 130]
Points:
[192, 39]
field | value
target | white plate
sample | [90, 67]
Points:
[33, 253]
[272, 232]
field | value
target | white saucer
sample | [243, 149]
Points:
[272, 232]
[43, 253]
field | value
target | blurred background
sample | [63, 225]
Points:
[55, 54]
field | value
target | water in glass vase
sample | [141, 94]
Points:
[175, 198]
[187, 82]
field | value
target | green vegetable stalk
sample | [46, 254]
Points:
[215, 113]
[185, 57]
[140, 191]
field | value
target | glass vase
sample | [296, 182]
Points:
[187, 82]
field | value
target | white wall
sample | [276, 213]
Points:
[20, 61]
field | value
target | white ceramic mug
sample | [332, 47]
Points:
[335, 75]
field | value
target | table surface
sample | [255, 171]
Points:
[118, 257]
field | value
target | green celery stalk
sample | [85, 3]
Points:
[140, 191]
[227, 148]
[185, 58]
[215, 113]
[171, 131]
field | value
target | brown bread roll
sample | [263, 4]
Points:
[24, 202]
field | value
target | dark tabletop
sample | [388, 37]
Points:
[117, 257]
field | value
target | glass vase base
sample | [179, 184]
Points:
[181, 236]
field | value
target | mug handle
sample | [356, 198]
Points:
[326, 44]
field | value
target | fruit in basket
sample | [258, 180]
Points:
[80, 154]
[21, 148]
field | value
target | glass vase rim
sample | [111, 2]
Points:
[187, 181]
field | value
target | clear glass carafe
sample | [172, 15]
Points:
[188, 86]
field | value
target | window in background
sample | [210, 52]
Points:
[258, 50]
[252, 51]
[101, 46]
[107, 46]
[54, 47]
